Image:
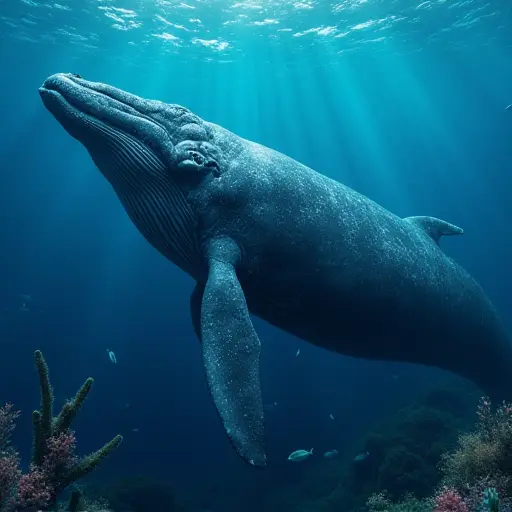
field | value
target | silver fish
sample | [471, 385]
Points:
[361, 456]
[112, 356]
[300, 455]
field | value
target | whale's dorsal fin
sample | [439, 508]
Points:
[435, 228]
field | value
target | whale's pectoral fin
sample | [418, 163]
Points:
[195, 308]
[231, 353]
[435, 228]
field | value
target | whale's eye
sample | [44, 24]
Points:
[75, 75]
[197, 157]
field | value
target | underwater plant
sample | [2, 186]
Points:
[449, 500]
[478, 472]
[380, 502]
[54, 463]
[483, 458]
[491, 500]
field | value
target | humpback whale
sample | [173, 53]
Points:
[263, 234]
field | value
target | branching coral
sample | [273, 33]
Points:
[484, 455]
[54, 463]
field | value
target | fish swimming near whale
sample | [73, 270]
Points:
[261, 233]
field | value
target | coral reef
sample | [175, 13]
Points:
[484, 452]
[54, 463]
[449, 500]
[380, 502]
[477, 473]
[480, 467]
[405, 450]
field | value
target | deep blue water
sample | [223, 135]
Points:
[403, 101]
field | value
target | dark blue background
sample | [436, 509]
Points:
[423, 133]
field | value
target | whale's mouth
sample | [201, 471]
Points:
[79, 104]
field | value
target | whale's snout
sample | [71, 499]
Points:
[104, 118]
[57, 81]
[61, 85]
[56, 93]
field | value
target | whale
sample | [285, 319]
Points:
[261, 234]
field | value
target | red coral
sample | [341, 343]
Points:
[449, 500]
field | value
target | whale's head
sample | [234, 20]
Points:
[152, 153]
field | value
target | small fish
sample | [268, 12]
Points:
[298, 352]
[112, 356]
[331, 416]
[508, 107]
[135, 429]
[300, 455]
[331, 454]
[361, 456]
[270, 407]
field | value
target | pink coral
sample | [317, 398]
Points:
[9, 461]
[33, 489]
[60, 452]
[449, 500]
[36, 488]
[9, 475]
